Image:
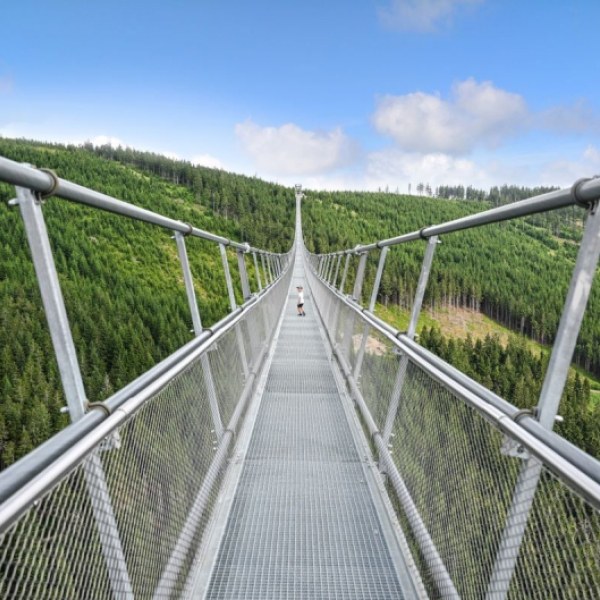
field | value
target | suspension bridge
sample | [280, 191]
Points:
[321, 457]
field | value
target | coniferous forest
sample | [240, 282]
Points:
[517, 273]
[121, 279]
[126, 299]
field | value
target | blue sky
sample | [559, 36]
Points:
[359, 94]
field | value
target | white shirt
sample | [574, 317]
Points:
[301, 297]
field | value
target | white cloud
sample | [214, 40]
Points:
[420, 15]
[396, 169]
[477, 113]
[290, 150]
[206, 160]
[579, 118]
[565, 172]
[171, 155]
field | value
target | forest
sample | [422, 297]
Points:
[126, 300]
[121, 279]
[516, 272]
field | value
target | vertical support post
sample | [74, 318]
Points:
[266, 274]
[197, 321]
[367, 329]
[378, 276]
[230, 292]
[337, 270]
[343, 282]
[325, 267]
[320, 265]
[246, 292]
[233, 306]
[358, 282]
[360, 275]
[70, 374]
[260, 287]
[269, 267]
[552, 390]
[330, 274]
[412, 327]
[336, 305]
[189, 284]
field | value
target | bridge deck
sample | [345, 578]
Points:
[304, 522]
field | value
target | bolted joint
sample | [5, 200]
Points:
[53, 188]
[189, 231]
[575, 193]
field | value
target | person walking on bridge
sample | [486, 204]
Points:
[301, 312]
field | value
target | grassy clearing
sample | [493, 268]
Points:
[457, 323]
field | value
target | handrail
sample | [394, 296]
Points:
[562, 455]
[29, 478]
[576, 456]
[584, 192]
[44, 183]
[32, 464]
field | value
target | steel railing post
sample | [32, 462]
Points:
[246, 292]
[256, 269]
[547, 408]
[233, 306]
[337, 270]
[330, 275]
[270, 268]
[360, 275]
[412, 328]
[197, 321]
[344, 275]
[367, 329]
[66, 356]
[264, 269]
[358, 283]
[228, 282]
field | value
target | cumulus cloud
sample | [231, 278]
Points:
[421, 15]
[290, 150]
[206, 160]
[565, 171]
[578, 118]
[476, 113]
[395, 169]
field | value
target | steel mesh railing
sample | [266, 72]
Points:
[156, 467]
[454, 477]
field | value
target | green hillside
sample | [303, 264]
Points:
[121, 279]
[517, 274]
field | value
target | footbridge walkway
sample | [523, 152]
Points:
[278, 456]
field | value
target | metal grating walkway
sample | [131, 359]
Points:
[303, 524]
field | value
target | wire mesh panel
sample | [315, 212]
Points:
[461, 484]
[162, 476]
[303, 523]
[462, 481]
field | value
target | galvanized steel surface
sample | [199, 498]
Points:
[160, 470]
[303, 522]
[456, 467]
